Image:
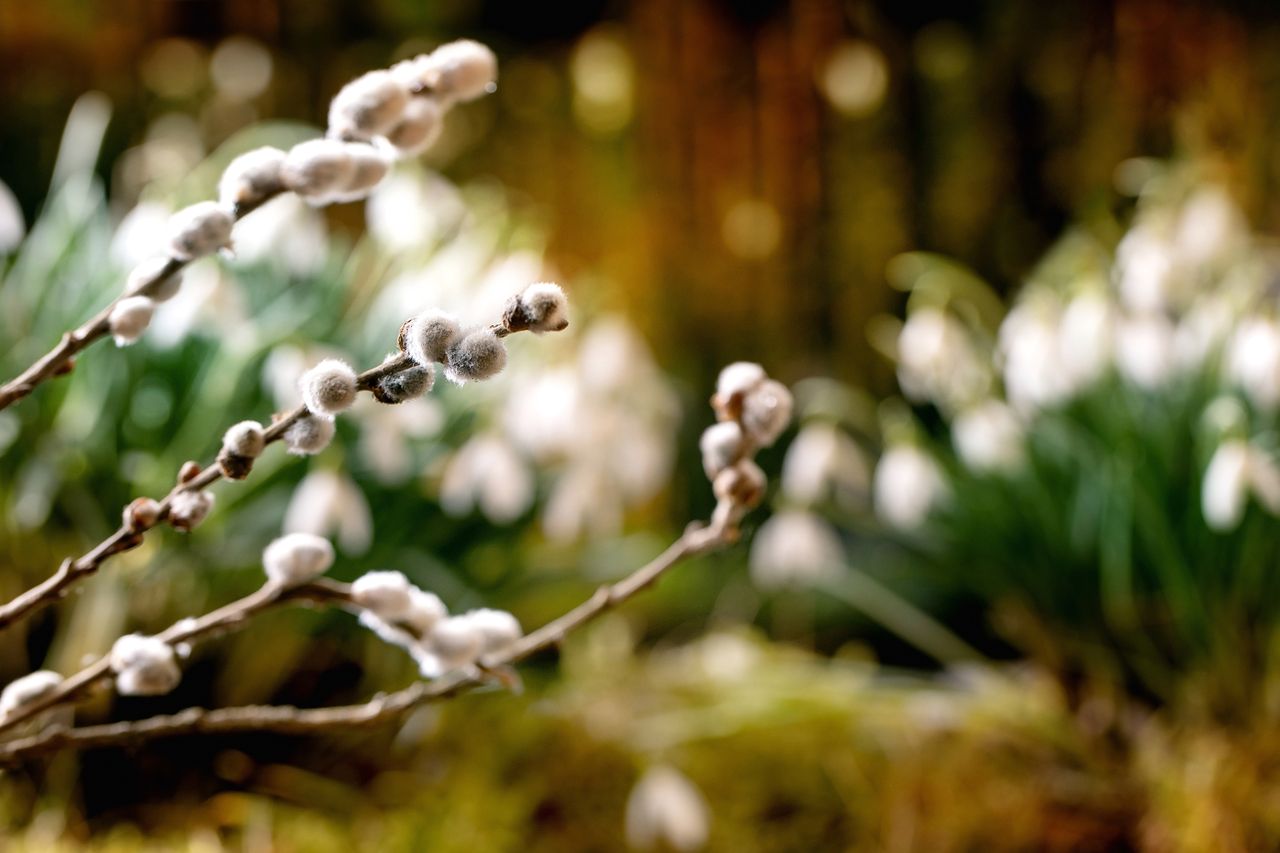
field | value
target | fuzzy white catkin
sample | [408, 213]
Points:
[129, 319]
[419, 126]
[456, 642]
[738, 378]
[29, 688]
[766, 412]
[329, 387]
[308, 435]
[187, 509]
[245, 439]
[429, 336]
[252, 178]
[144, 666]
[425, 611]
[296, 558]
[368, 106]
[478, 355]
[461, 70]
[742, 483]
[720, 444]
[368, 167]
[545, 307]
[406, 384]
[386, 594]
[318, 169]
[142, 280]
[498, 628]
[199, 230]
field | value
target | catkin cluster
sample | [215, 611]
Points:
[377, 118]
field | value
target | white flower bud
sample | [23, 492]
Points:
[427, 337]
[989, 437]
[405, 385]
[130, 318]
[308, 435]
[419, 126]
[795, 546]
[245, 439]
[187, 509]
[538, 308]
[144, 666]
[252, 178]
[742, 483]
[666, 812]
[329, 387]
[455, 642]
[199, 230]
[1225, 491]
[296, 558]
[388, 595]
[368, 167]
[908, 483]
[461, 70]
[721, 445]
[479, 355]
[766, 412]
[145, 281]
[368, 106]
[23, 691]
[425, 611]
[498, 628]
[738, 378]
[318, 169]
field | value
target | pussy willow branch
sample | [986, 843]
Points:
[59, 360]
[126, 538]
[285, 719]
[225, 618]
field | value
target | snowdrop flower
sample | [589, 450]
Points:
[144, 666]
[145, 280]
[1144, 269]
[666, 812]
[907, 485]
[28, 689]
[794, 546]
[460, 70]
[288, 235]
[130, 318]
[188, 508]
[1085, 339]
[1226, 485]
[823, 461]
[1033, 375]
[721, 445]
[327, 502]
[199, 230]
[1253, 361]
[252, 178]
[1208, 227]
[539, 308]
[389, 435]
[477, 355]
[329, 387]
[766, 412]
[140, 231]
[428, 337]
[418, 127]
[309, 435]
[936, 360]
[245, 439]
[296, 558]
[318, 169]
[1202, 331]
[488, 472]
[989, 437]
[405, 385]
[368, 106]
[386, 594]
[1144, 350]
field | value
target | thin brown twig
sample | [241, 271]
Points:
[286, 719]
[60, 360]
[128, 537]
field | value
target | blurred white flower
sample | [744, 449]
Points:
[908, 484]
[286, 233]
[1144, 269]
[325, 503]
[386, 431]
[141, 233]
[411, 210]
[1033, 372]
[824, 462]
[1210, 225]
[937, 361]
[581, 502]
[795, 546]
[1236, 470]
[989, 437]
[1085, 338]
[666, 812]
[12, 228]
[209, 303]
[1253, 361]
[1201, 332]
[489, 473]
[1145, 350]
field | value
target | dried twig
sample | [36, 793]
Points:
[285, 719]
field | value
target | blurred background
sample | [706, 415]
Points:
[1015, 586]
